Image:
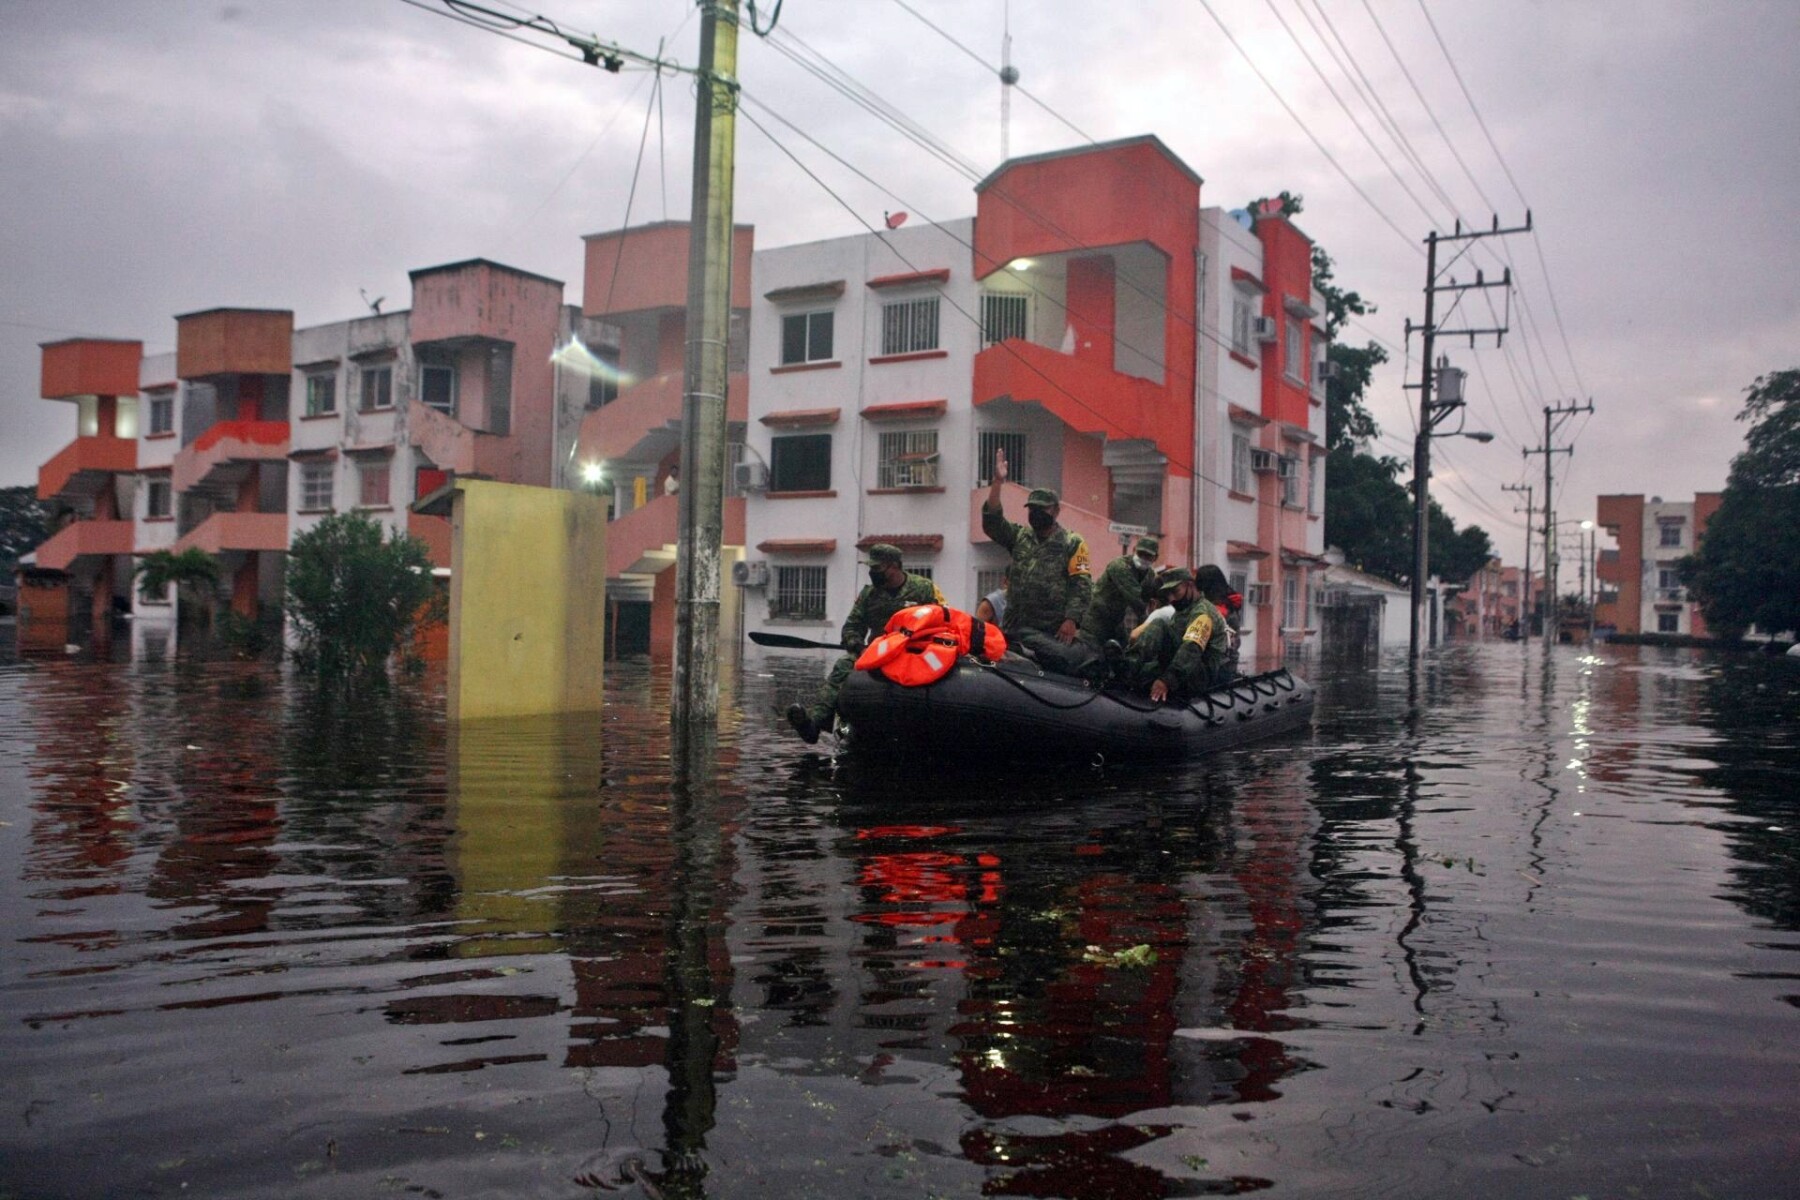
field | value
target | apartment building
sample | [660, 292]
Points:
[1640, 586]
[1154, 362]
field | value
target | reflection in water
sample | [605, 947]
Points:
[1521, 928]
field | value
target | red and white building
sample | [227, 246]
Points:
[1153, 361]
[1640, 590]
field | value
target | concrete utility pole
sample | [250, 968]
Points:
[1554, 416]
[1432, 412]
[1525, 601]
[702, 514]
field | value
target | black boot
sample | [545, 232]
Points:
[803, 724]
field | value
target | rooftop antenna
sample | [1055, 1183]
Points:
[375, 304]
[1009, 75]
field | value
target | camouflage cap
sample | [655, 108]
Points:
[1042, 498]
[883, 552]
[1172, 578]
[1149, 545]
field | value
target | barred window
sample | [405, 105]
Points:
[1242, 481]
[798, 594]
[1014, 444]
[909, 459]
[1004, 315]
[321, 395]
[909, 326]
[988, 581]
[162, 412]
[1240, 323]
[316, 485]
[1291, 616]
[1290, 480]
[1296, 361]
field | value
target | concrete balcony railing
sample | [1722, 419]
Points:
[226, 532]
[1083, 395]
[648, 414]
[84, 539]
[642, 542]
[226, 444]
[85, 466]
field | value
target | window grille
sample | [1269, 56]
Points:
[1241, 478]
[321, 395]
[909, 326]
[315, 486]
[162, 412]
[1296, 362]
[800, 463]
[798, 594]
[1671, 535]
[988, 581]
[1014, 444]
[1290, 482]
[1240, 324]
[1004, 315]
[909, 459]
[1290, 604]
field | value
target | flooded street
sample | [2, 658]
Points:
[1534, 935]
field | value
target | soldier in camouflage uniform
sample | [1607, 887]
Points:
[1120, 593]
[1050, 582]
[1185, 655]
[891, 588]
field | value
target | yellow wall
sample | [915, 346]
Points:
[527, 600]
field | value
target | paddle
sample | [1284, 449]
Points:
[788, 642]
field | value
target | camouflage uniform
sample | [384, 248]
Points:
[1186, 652]
[1118, 602]
[868, 618]
[1049, 584]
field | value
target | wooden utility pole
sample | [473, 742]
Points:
[1525, 602]
[702, 515]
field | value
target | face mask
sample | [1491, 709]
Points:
[878, 576]
[1144, 565]
[1041, 519]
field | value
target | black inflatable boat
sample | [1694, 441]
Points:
[1014, 710]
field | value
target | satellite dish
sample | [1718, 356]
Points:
[895, 219]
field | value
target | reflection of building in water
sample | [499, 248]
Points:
[83, 829]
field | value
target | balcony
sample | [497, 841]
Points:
[1086, 397]
[86, 465]
[642, 542]
[222, 455]
[84, 539]
[644, 423]
[241, 532]
[1671, 595]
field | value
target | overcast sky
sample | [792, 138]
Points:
[163, 156]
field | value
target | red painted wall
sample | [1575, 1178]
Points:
[1092, 300]
[1287, 271]
[1623, 517]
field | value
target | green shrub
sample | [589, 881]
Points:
[353, 598]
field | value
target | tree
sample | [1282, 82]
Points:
[24, 524]
[159, 569]
[352, 597]
[1747, 569]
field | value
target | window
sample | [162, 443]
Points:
[800, 463]
[922, 571]
[162, 412]
[1240, 323]
[1239, 581]
[1289, 471]
[1014, 444]
[1314, 501]
[321, 395]
[316, 485]
[1296, 362]
[806, 337]
[1290, 603]
[798, 594]
[372, 477]
[159, 499]
[1004, 315]
[1668, 622]
[437, 387]
[1666, 579]
[909, 459]
[1671, 534]
[987, 582]
[603, 384]
[377, 387]
[1241, 479]
[909, 326]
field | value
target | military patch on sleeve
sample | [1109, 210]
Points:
[1078, 561]
[937, 597]
[1199, 630]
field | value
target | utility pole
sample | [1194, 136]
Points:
[1525, 602]
[701, 531]
[1554, 416]
[1431, 412]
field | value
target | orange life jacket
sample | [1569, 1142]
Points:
[923, 642]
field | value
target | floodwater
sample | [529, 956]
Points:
[1536, 935]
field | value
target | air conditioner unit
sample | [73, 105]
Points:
[1257, 594]
[750, 574]
[1262, 461]
[1263, 329]
[750, 477]
[1327, 370]
[1287, 468]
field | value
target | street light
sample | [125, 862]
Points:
[1448, 381]
[1593, 576]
